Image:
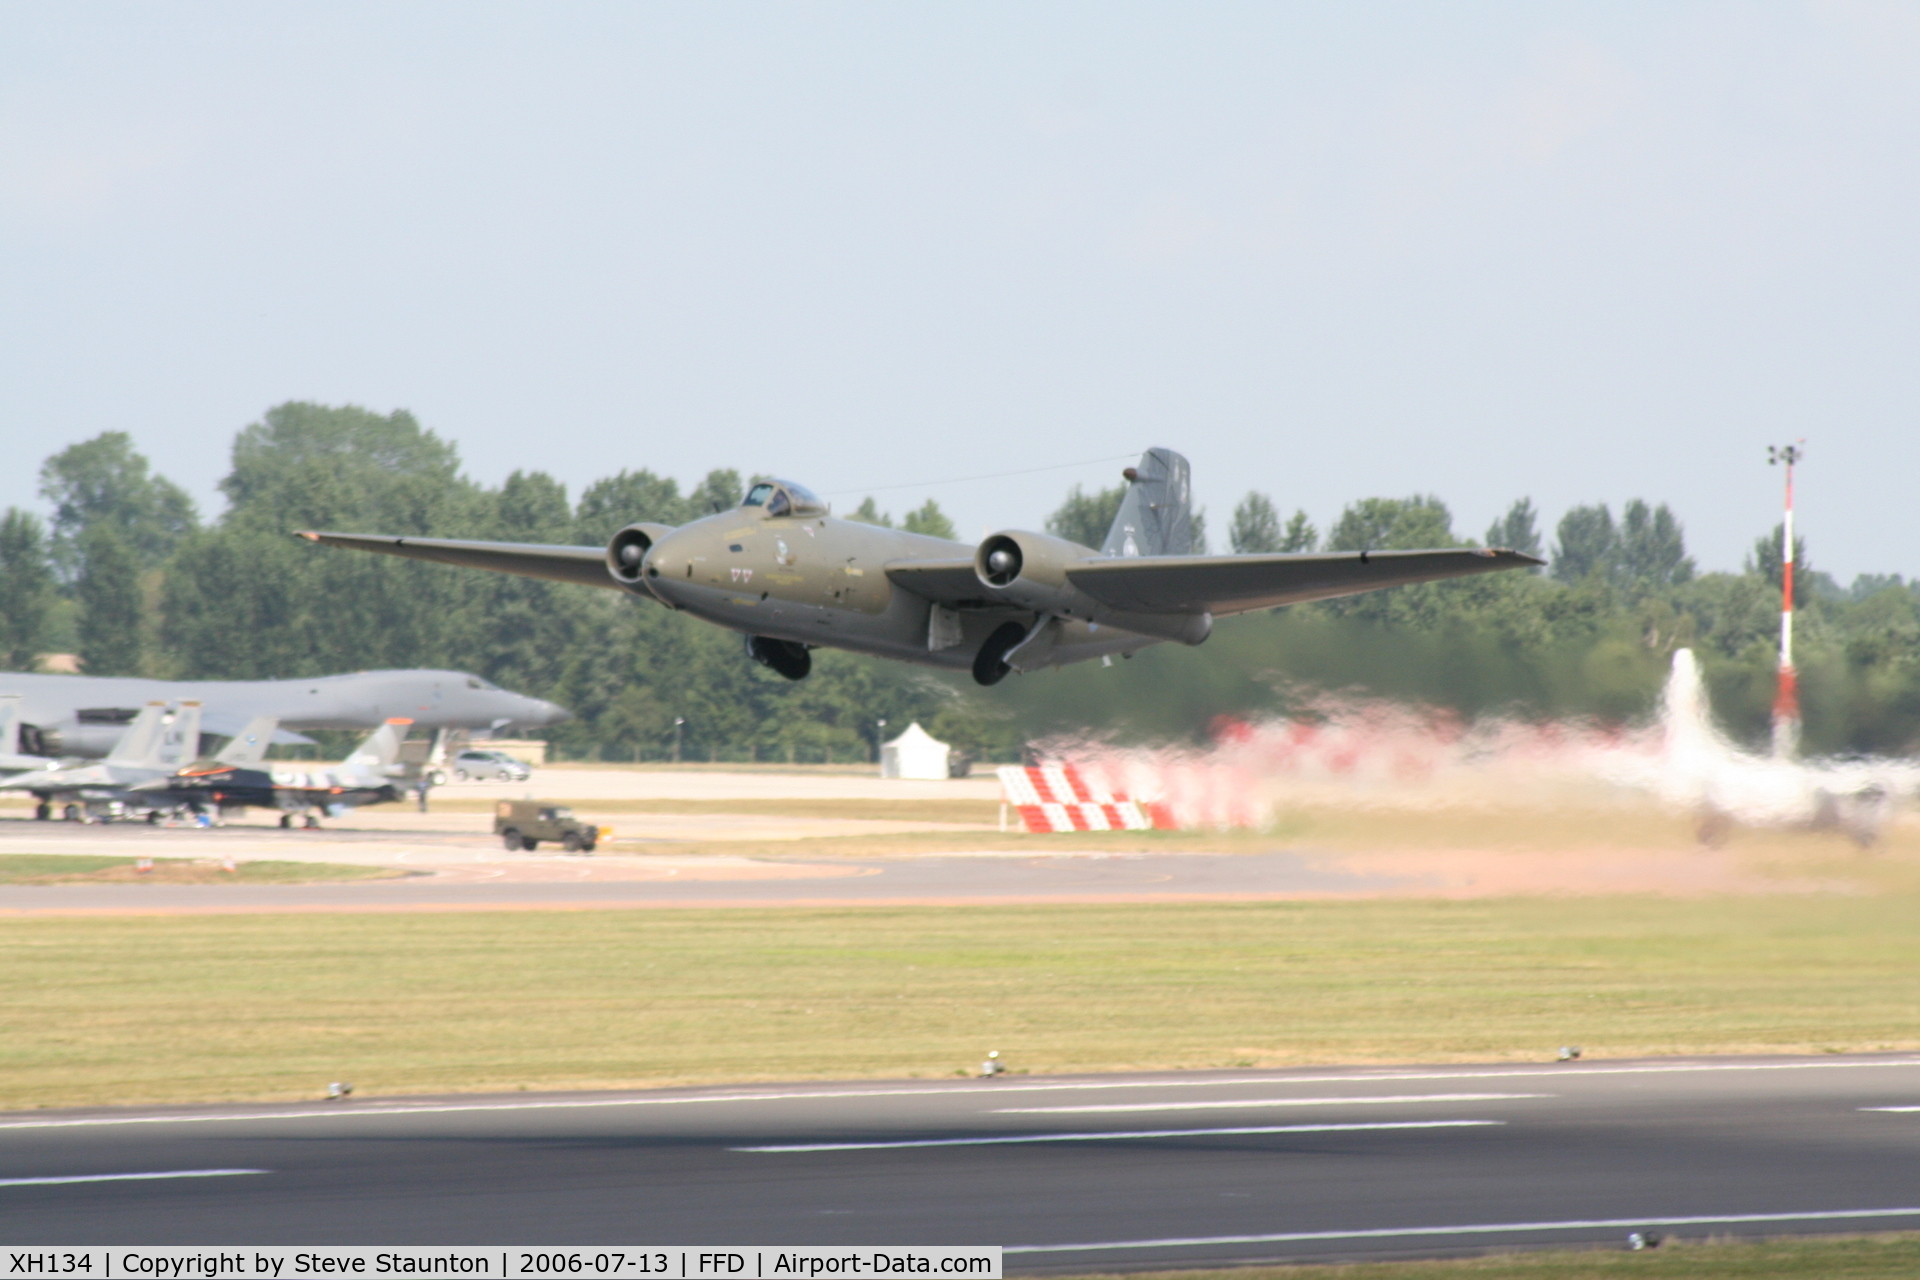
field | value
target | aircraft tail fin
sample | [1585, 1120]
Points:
[159, 737]
[9, 724]
[1155, 516]
[249, 746]
[379, 752]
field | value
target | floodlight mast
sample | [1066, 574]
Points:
[1786, 699]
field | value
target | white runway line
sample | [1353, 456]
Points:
[1359, 1100]
[1388, 1233]
[128, 1177]
[1890, 1108]
[1011, 1139]
[380, 1109]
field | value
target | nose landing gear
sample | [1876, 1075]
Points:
[790, 659]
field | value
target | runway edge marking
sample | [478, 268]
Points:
[1381, 1099]
[1359, 1076]
[1486, 1228]
[127, 1177]
[1011, 1139]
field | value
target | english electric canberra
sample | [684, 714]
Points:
[784, 572]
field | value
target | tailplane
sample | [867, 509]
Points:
[1155, 516]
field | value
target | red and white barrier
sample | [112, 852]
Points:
[1060, 797]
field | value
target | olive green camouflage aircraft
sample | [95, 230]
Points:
[782, 570]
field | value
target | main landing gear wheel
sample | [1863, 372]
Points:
[310, 822]
[990, 664]
[42, 811]
[790, 659]
[72, 813]
[286, 822]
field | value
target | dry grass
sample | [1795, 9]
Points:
[1881, 1257]
[213, 1007]
[61, 868]
[1894, 864]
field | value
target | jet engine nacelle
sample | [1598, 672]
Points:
[1029, 571]
[38, 740]
[627, 550]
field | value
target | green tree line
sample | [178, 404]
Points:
[1592, 636]
[125, 573]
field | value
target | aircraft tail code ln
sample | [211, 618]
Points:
[1058, 797]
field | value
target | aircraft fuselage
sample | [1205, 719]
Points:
[819, 581]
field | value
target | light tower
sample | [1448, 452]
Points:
[1786, 699]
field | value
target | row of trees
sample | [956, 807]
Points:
[125, 574]
[1591, 636]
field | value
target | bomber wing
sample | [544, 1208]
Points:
[1239, 584]
[952, 583]
[586, 566]
[1219, 585]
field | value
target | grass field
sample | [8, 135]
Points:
[1884, 1257]
[150, 1009]
[61, 868]
[1800, 856]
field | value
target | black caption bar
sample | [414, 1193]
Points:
[548, 1262]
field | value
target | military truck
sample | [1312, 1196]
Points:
[523, 824]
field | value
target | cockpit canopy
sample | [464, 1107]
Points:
[785, 498]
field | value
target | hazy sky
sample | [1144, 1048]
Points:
[1577, 252]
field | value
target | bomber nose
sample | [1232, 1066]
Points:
[546, 713]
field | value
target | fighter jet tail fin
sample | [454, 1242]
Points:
[159, 738]
[377, 755]
[249, 746]
[1155, 516]
[9, 724]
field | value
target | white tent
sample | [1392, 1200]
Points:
[914, 754]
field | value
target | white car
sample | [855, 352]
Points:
[489, 766]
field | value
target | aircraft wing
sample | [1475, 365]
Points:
[1239, 584]
[1216, 584]
[952, 583]
[229, 723]
[586, 566]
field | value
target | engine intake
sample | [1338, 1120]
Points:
[1000, 561]
[1030, 570]
[627, 551]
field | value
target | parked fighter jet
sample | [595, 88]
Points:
[236, 781]
[780, 569]
[83, 716]
[159, 741]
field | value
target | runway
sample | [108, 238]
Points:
[509, 883]
[1069, 1174]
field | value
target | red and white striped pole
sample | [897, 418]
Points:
[1786, 698]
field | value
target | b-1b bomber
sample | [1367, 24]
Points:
[782, 570]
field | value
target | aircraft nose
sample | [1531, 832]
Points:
[546, 713]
